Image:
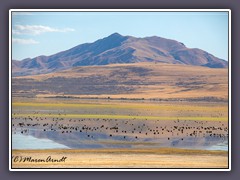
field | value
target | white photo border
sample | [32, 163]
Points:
[119, 10]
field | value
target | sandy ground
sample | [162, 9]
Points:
[120, 158]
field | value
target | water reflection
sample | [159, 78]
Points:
[76, 133]
[38, 139]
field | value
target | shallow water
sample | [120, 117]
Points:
[37, 139]
[118, 125]
[20, 141]
[220, 146]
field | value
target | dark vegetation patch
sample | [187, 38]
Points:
[79, 86]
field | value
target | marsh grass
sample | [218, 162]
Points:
[169, 107]
[110, 116]
[129, 150]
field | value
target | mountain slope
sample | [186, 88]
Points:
[116, 49]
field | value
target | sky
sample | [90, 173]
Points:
[47, 33]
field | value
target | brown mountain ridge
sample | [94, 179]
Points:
[118, 49]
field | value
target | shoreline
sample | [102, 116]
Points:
[128, 150]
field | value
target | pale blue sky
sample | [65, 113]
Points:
[46, 33]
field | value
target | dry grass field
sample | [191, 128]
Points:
[121, 158]
[140, 80]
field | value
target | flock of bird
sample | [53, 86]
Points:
[121, 128]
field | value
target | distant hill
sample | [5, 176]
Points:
[118, 49]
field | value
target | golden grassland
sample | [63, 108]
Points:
[124, 158]
[160, 81]
[165, 106]
[188, 111]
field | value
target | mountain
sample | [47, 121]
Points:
[118, 49]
